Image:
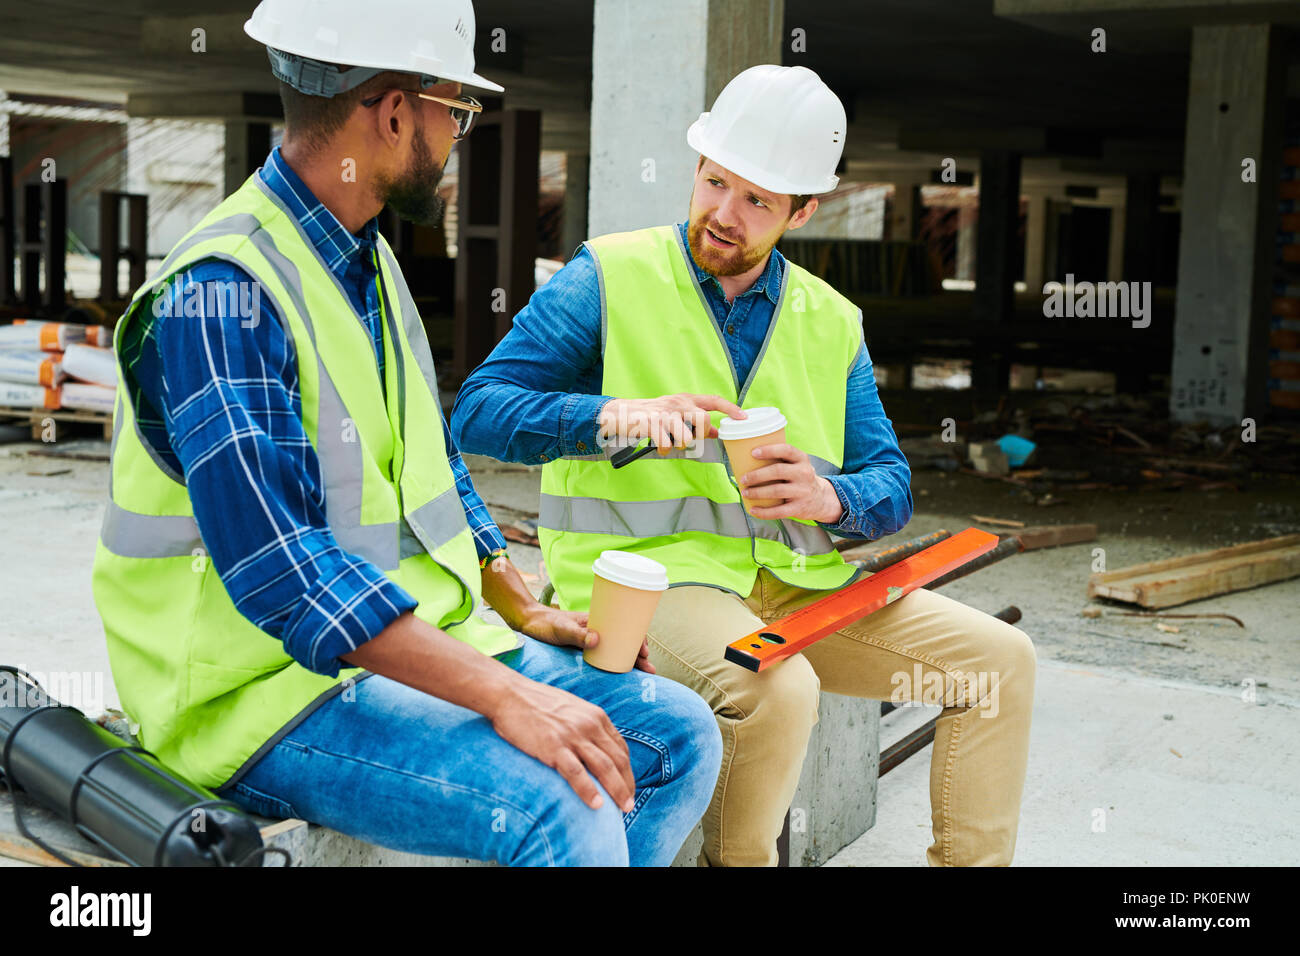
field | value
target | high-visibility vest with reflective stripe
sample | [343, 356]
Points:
[211, 691]
[684, 509]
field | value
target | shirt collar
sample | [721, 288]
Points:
[768, 282]
[337, 247]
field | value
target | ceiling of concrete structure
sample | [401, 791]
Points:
[922, 79]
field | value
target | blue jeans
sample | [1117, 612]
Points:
[406, 770]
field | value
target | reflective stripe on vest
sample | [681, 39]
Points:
[654, 519]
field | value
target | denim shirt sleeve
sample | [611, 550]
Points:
[875, 486]
[487, 536]
[536, 397]
[227, 392]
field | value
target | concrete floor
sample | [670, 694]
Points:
[1144, 751]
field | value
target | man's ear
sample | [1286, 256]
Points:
[388, 115]
[803, 215]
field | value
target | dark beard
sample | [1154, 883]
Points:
[414, 194]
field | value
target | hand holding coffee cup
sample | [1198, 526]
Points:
[624, 594]
[776, 480]
[670, 421]
[762, 426]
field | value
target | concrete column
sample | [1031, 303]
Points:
[1235, 105]
[1141, 209]
[1035, 241]
[905, 207]
[999, 213]
[246, 147]
[573, 222]
[966, 219]
[654, 68]
[1115, 251]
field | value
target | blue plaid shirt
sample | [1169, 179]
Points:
[538, 395]
[220, 404]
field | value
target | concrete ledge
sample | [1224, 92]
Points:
[834, 804]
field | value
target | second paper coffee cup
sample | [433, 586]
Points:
[764, 426]
[624, 595]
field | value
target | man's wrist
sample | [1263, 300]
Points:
[832, 510]
[607, 421]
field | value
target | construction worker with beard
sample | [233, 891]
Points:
[657, 334]
[294, 558]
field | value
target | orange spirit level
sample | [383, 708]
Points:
[791, 634]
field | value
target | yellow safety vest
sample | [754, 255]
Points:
[210, 691]
[684, 509]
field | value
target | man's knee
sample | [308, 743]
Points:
[1008, 665]
[785, 695]
[559, 829]
[703, 742]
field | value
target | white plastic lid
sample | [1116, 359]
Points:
[761, 421]
[631, 570]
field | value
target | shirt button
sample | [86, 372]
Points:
[731, 330]
[582, 446]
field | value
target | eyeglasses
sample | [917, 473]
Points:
[463, 108]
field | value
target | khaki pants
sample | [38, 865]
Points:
[924, 647]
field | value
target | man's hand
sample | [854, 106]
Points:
[569, 629]
[668, 421]
[569, 735]
[791, 476]
[561, 730]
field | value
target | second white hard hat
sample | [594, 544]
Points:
[780, 127]
[305, 38]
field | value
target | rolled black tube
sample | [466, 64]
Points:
[114, 794]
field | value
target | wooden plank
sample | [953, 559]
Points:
[20, 849]
[1053, 536]
[997, 522]
[1201, 557]
[51, 828]
[1162, 584]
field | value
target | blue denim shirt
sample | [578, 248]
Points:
[219, 400]
[538, 397]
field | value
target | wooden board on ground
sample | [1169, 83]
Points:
[1053, 535]
[1174, 581]
[52, 829]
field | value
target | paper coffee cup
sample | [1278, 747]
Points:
[764, 426]
[624, 595]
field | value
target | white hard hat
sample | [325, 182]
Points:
[780, 127]
[306, 38]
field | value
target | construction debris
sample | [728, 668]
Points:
[997, 522]
[988, 458]
[1054, 535]
[1193, 577]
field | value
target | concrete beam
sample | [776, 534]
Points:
[972, 140]
[212, 106]
[1150, 13]
[223, 34]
